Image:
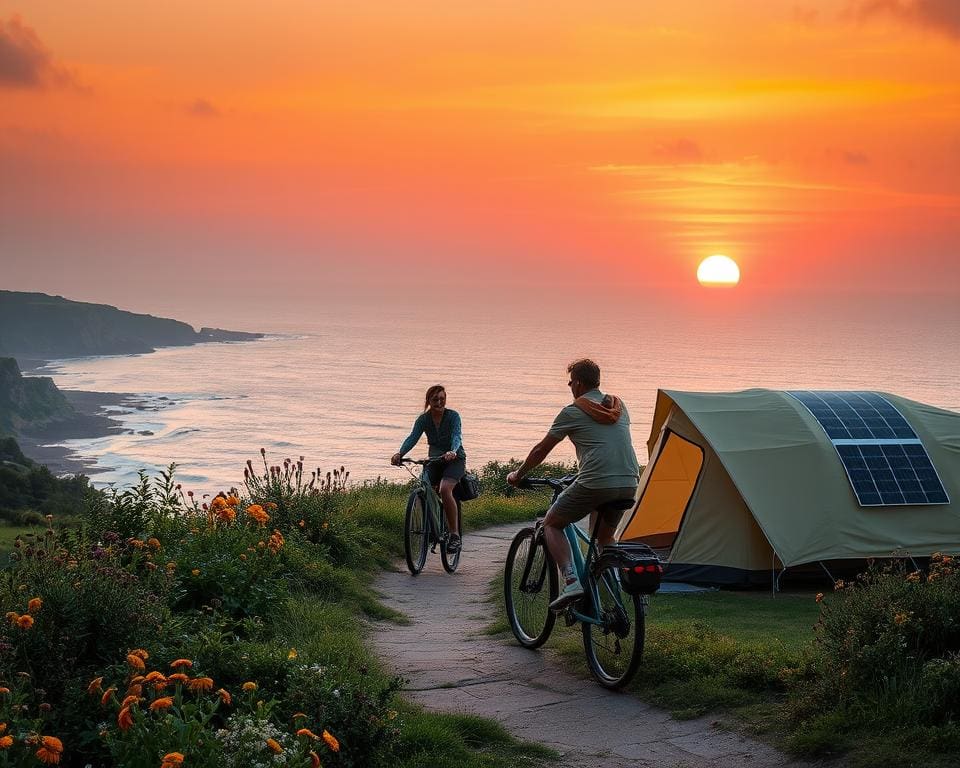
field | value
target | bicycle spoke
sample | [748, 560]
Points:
[530, 583]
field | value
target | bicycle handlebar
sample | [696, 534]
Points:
[422, 462]
[557, 483]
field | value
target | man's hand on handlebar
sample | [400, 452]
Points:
[514, 478]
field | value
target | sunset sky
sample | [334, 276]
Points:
[250, 147]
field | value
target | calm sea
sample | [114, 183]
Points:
[343, 386]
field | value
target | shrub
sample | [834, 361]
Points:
[888, 644]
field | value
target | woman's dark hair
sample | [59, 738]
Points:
[585, 371]
[435, 390]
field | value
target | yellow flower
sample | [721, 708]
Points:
[195, 572]
[274, 746]
[181, 663]
[902, 617]
[391, 714]
[292, 654]
[34, 605]
[331, 741]
[6, 742]
[162, 703]
[171, 760]
[249, 686]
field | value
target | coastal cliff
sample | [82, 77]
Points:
[38, 326]
[28, 404]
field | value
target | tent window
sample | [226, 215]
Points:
[667, 492]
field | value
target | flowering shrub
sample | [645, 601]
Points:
[170, 717]
[889, 643]
[352, 706]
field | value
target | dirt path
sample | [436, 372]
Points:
[453, 666]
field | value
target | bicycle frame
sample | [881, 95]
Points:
[434, 504]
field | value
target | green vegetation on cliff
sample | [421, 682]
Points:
[28, 403]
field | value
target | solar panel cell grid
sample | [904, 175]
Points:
[867, 430]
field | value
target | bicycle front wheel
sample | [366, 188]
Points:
[416, 533]
[615, 646]
[449, 559]
[529, 585]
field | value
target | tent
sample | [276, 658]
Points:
[741, 486]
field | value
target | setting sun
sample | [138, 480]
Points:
[718, 270]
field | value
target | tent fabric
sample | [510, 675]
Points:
[772, 492]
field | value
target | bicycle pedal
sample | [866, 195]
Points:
[568, 618]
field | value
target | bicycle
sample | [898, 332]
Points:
[616, 581]
[424, 524]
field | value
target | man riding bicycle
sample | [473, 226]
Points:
[599, 427]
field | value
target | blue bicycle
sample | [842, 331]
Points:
[616, 582]
[425, 525]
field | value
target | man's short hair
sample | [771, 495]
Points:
[585, 371]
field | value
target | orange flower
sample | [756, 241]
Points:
[135, 689]
[819, 597]
[274, 746]
[248, 686]
[256, 512]
[201, 684]
[3, 727]
[195, 572]
[124, 719]
[25, 621]
[232, 500]
[13, 617]
[291, 654]
[297, 715]
[181, 663]
[162, 703]
[219, 502]
[141, 653]
[331, 741]
[34, 605]
[308, 733]
[227, 514]
[314, 759]
[129, 700]
[6, 742]
[106, 696]
[225, 696]
[153, 543]
[4, 689]
[136, 662]
[271, 506]
[155, 677]
[178, 677]
[95, 686]
[171, 760]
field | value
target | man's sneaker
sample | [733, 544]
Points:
[453, 544]
[571, 592]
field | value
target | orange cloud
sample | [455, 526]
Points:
[941, 15]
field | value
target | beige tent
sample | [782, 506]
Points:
[743, 485]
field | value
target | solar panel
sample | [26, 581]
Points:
[884, 459]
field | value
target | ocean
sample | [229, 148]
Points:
[341, 386]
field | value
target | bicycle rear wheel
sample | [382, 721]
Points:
[416, 533]
[529, 585]
[452, 560]
[615, 647]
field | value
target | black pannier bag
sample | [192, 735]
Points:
[468, 488]
[639, 567]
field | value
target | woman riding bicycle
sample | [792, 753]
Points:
[444, 436]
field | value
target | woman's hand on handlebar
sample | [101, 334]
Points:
[395, 459]
[449, 456]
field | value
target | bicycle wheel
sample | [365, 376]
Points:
[529, 585]
[615, 647]
[451, 561]
[416, 533]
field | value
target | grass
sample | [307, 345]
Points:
[9, 533]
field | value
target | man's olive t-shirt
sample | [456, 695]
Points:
[604, 451]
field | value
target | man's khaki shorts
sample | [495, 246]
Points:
[577, 502]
